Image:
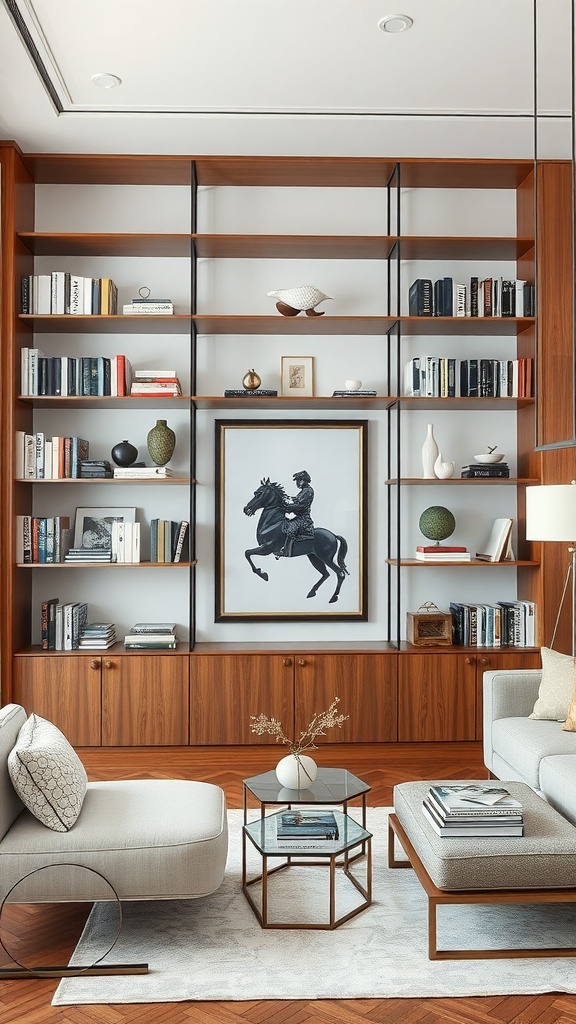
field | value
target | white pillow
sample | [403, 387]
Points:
[47, 774]
[556, 686]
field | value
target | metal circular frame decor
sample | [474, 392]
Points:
[52, 972]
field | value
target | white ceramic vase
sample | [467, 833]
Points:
[296, 771]
[429, 454]
[443, 470]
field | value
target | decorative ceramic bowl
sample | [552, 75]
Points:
[488, 460]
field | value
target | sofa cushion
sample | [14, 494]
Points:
[523, 743]
[570, 723]
[556, 686]
[47, 774]
[12, 718]
[557, 775]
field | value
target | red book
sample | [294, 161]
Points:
[438, 548]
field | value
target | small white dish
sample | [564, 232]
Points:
[488, 460]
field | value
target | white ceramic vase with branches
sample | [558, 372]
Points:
[297, 770]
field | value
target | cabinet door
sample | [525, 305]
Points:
[63, 689]
[488, 662]
[436, 697]
[145, 700]
[366, 686]
[225, 690]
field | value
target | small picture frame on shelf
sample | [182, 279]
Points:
[297, 376]
[93, 526]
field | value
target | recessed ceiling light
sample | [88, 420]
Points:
[106, 81]
[395, 23]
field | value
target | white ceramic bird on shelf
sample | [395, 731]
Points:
[292, 301]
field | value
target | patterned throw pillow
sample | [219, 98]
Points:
[556, 686]
[47, 774]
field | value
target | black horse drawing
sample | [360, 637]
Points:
[321, 549]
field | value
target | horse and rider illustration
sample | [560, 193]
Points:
[286, 530]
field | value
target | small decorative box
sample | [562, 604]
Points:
[429, 627]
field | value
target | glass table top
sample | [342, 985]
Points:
[331, 786]
[263, 833]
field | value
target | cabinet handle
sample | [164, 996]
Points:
[108, 664]
[287, 662]
[95, 664]
[484, 661]
[301, 662]
[469, 661]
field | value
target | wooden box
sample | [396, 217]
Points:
[429, 627]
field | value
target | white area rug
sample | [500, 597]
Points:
[214, 949]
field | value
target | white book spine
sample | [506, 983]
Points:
[19, 453]
[24, 358]
[76, 294]
[135, 542]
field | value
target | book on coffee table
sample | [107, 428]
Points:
[479, 828]
[307, 825]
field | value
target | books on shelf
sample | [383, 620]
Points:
[61, 625]
[142, 472]
[97, 636]
[155, 383]
[297, 825]
[475, 470]
[42, 539]
[95, 469]
[154, 627]
[41, 457]
[497, 546]
[159, 307]
[62, 292]
[74, 376]
[473, 810]
[125, 539]
[89, 555]
[446, 556]
[354, 394]
[430, 376]
[152, 636]
[168, 540]
[441, 548]
[480, 297]
[504, 624]
[256, 393]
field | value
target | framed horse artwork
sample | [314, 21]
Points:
[291, 520]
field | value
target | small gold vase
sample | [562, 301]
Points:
[251, 381]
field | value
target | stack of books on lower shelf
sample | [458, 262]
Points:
[97, 636]
[473, 810]
[89, 555]
[442, 553]
[151, 636]
[307, 826]
[155, 384]
[61, 624]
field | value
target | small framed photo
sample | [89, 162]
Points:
[297, 376]
[93, 526]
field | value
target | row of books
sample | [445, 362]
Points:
[39, 457]
[503, 624]
[440, 377]
[168, 540]
[61, 624]
[473, 810]
[151, 636]
[42, 540]
[74, 376]
[63, 293]
[490, 296]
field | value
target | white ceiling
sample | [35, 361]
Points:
[287, 77]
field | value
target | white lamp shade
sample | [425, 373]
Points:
[551, 512]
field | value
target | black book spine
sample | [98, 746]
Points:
[420, 297]
[25, 293]
[473, 296]
[56, 376]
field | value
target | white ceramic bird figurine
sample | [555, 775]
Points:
[292, 300]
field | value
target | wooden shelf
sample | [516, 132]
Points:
[416, 481]
[460, 404]
[288, 402]
[474, 563]
[104, 565]
[185, 481]
[456, 247]
[56, 323]
[126, 402]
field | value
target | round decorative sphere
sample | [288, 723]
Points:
[124, 454]
[437, 523]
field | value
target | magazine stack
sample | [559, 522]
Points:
[306, 826]
[476, 810]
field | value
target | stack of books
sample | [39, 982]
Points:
[151, 636]
[89, 555]
[473, 810]
[141, 472]
[307, 826]
[155, 384]
[95, 469]
[62, 624]
[148, 307]
[499, 469]
[442, 553]
[97, 636]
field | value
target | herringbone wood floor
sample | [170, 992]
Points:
[55, 929]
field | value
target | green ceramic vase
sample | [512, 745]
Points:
[161, 442]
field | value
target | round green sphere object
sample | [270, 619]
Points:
[437, 522]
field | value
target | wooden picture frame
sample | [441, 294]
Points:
[93, 526]
[263, 467]
[297, 376]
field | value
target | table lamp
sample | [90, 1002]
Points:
[551, 516]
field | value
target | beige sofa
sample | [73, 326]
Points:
[151, 839]
[516, 747]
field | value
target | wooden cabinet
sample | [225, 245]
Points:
[108, 700]
[440, 692]
[226, 689]
[366, 685]
[145, 700]
[292, 687]
[65, 689]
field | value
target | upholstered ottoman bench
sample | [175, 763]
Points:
[539, 867]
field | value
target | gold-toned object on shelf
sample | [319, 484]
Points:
[251, 381]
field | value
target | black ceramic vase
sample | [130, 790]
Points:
[124, 454]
